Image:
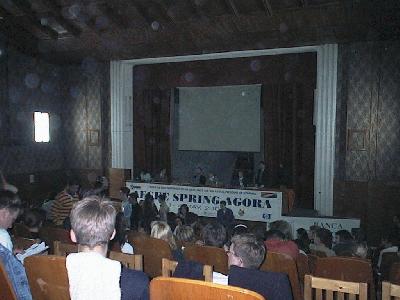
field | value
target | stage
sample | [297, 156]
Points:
[257, 205]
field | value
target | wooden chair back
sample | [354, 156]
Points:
[153, 251]
[303, 267]
[163, 288]
[22, 243]
[6, 290]
[394, 275]
[346, 269]
[388, 259]
[21, 230]
[213, 256]
[131, 261]
[283, 263]
[63, 249]
[312, 262]
[47, 276]
[390, 290]
[169, 266]
[51, 234]
[333, 289]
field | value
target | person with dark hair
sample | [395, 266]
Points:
[164, 208]
[120, 241]
[63, 203]
[245, 256]
[126, 205]
[187, 217]
[90, 274]
[323, 242]
[225, 216]
[303, 241]
[150, 212]
[261, 179]
[137, 211]
[344, 243]
[33, 219]
[10, 206]
[214, 234]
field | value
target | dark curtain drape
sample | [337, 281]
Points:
[288, 132]
[152, 131]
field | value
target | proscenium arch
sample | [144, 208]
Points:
[121, 85]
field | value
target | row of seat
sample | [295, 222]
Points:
[48, 279]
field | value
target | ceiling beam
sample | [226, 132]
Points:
[267, 7]
[232, 6]
[56, 13]
[32, 18]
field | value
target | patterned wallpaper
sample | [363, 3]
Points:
[368, 136]
[77, 99]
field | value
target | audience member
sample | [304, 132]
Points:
[91, 275]
[388, 244]
[245, 256]
[303, 241]
[137, 213]
[360, 250]
[149, 212]
[164, 208]
[161, 230]
[323, 242]
[185, 235]
[225, 216]
[126, 205]
[63, 203]
[10, 205]
[214, 234]
[33, 219]
[145, 176]
[240, 229]
[187, 217]
[120, 241]
[278, 239]
[344, 243]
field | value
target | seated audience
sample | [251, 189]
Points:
[10, 205]
[245, 256]
[63, 203]
[164, 208]
[91, 275]
[137, 213]
[388, 244]
[214, 234]
[150, 212]
[126, 205]
[225, 216]
[359, 250]
[185, 235]
[323, 242]
[161, 230]
[120, 241]
[278, 239]
[187, 217]
[33, 219]
[303, 241]
[344, 243]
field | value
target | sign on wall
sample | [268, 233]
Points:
[252, 205]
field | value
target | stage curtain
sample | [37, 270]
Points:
[152, 130]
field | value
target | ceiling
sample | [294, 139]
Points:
[68, 30]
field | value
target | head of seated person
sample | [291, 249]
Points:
[10, 207]
[33, 219]
[161, 230]
[214, 234]
[93, 224]
[185, 234]
[283, 227]
[343, 236]
[323, 237]
[246, 251]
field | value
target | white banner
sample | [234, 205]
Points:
[252, 205]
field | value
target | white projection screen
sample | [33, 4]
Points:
[220, 118]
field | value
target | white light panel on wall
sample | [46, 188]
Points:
[42, 127]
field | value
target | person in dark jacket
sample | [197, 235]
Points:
[245, 256]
